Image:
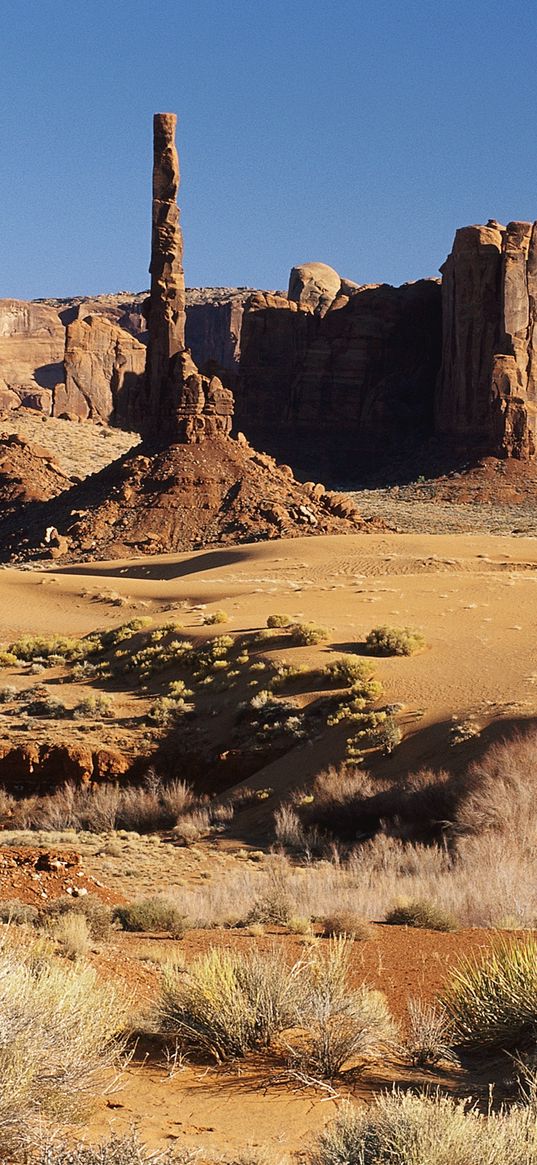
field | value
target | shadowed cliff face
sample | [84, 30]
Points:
[339, 388]
[487, 392]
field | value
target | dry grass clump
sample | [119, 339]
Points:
[151, 915]
[344, 922]
[144, 809]
[421, 914]
[492, 1002]
[72, 932]
[497, 794]
[116, 1150]
[61, 1029]
[394, 641]
[341, 1027]
[308, 634]
[16, 913]
[97, 915]
[404, 1128]
[229, 1003]
[347, 670]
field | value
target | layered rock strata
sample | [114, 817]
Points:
[487, 390]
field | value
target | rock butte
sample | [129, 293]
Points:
[190, 484]
[330, 377]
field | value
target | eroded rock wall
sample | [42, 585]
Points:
[487, 390]
[104, 367]
[330, 391]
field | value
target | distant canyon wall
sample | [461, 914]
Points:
[330, 375]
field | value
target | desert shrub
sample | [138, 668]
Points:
[497, 794]
[229, 1003]
[278, 621]
[421, 914]
[346, 671]
[60, 1029]
[116, 1150]
[167, 710]
[97, 914]
[192, 826]
[402, 1128]
[394, 641]
[18, 913]
[44, 646]
[8, 694]
[340, 1025]
[151, 915]
[308, 634]
[492, 1001]
[8, 659]
[374, 730]
[47, 708]
[213, 617]
[344, 922]
[96, 706]
[430, 1034]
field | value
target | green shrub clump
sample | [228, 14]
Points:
[308, 634]
[421, 914]
[151, 915]
[278, 621]
[394, 641]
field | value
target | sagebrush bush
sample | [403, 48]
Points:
[404, 1128]
[61, 1029]
[424, 915]
[214, 617]
[492, 1001]
[394, 641]
[278, 621]
[229, 1003]
[151, 914]
[308, 634]
[96, 706]
[341, 1026]
[347, 670]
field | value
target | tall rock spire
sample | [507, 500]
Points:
[166, 305]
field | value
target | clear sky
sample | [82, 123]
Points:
[357, 132]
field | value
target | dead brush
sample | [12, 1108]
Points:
[341, 1027]
[430, 1035]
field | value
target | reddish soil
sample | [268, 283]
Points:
[28, 473]
[33, 875]
[182, 498]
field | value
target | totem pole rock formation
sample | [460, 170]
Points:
[487, 390]
[181, 405]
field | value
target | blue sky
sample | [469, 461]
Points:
[357, 132]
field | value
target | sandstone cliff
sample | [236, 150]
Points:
[329, 389]
[487, 390]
